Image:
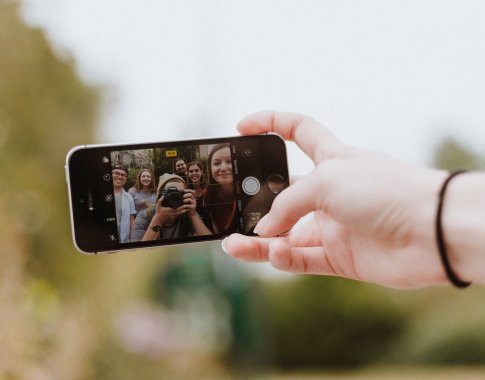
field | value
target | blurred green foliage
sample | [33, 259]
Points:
[330, 322]
[45, 110]
[453, 155]
[56, 305]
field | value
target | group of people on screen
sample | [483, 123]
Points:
[198, 206]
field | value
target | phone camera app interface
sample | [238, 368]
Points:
[174, 192]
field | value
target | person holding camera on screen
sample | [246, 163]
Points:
[173, 216]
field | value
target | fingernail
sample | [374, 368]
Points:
[224, 245]
[261, 226]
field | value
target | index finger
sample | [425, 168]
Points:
[315, 140]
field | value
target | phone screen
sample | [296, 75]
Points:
[142, 195]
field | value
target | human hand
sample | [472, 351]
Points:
[373, 216]
[164, 215]
[189, 202]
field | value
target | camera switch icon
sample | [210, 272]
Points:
[247, 152]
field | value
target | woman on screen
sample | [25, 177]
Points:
[144, 192]
[219, 197]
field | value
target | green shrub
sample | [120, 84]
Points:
[330, 322]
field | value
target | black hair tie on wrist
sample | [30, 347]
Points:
[452, 277]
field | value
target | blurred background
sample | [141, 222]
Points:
[405, 77]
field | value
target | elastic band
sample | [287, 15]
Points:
[440, 239]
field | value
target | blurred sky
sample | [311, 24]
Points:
[395, 76]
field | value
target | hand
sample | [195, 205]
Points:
[373, 216]
[189, 203]
[165, 215]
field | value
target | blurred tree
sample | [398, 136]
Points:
[452, 155]
[228, 292]
[44, 110]
[318, 322]
[47, 329]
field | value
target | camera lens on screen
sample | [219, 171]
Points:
[172, 197]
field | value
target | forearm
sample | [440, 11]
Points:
[151, 233]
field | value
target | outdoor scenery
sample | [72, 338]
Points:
[179, 313]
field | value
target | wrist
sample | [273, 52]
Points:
[463, 223]
[420, 219]
[155, 223]
[155, 227]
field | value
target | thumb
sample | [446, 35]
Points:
[288, 208]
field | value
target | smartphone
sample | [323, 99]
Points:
[126, 197]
